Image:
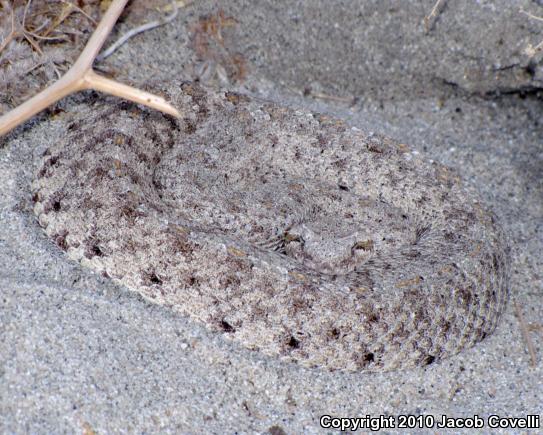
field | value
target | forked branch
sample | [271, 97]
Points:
[81, 76]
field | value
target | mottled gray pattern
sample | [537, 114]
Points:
[290, 232]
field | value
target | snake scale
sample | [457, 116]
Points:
[287, 231]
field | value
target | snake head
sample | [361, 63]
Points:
[325, 249]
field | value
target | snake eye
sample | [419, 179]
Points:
[292, 237]
[365, 245]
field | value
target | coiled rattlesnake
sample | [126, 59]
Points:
[290, 232]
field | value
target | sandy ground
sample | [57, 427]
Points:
[81, 355]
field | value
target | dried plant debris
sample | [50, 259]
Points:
[140, 11]
[39, 40]
[430, 19]
[149, 25]
[532, 50]
[216, 61]
[82, 76]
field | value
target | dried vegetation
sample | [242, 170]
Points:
[216, 59]
[39, 41]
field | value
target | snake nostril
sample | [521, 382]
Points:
[293, 343]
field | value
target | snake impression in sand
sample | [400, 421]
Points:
[290, 232]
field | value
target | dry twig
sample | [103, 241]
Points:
[429, 19]
[535, 17]
[71, 8]
[321, 96]
[81, 76]
[140, 29]
[525, 334]
[531, 50]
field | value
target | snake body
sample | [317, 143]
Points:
[289, 232]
